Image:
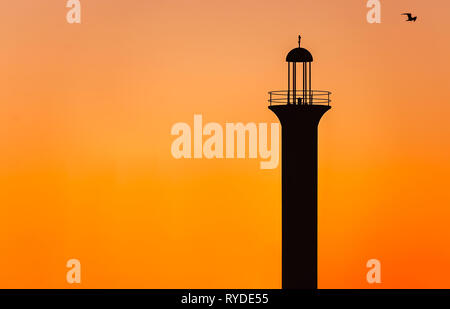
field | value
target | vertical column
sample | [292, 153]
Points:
[304, 82]
[310, 87]
[289, 84]
[294, 78]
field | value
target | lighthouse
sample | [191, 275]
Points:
[299, 111]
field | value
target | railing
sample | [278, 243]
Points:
[300, 97]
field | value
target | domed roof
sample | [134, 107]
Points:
[299, 55]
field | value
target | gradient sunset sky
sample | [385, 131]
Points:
[86, 170]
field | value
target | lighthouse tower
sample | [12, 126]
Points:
[299, 111]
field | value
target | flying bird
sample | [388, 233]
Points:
[410, 18]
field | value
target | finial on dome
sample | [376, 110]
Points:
[299, 39]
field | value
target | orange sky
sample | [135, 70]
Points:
[86, 170]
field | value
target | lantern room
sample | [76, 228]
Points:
[299, 62]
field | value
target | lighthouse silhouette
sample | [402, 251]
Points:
[299, 112]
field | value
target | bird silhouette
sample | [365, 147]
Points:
[410, 18]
